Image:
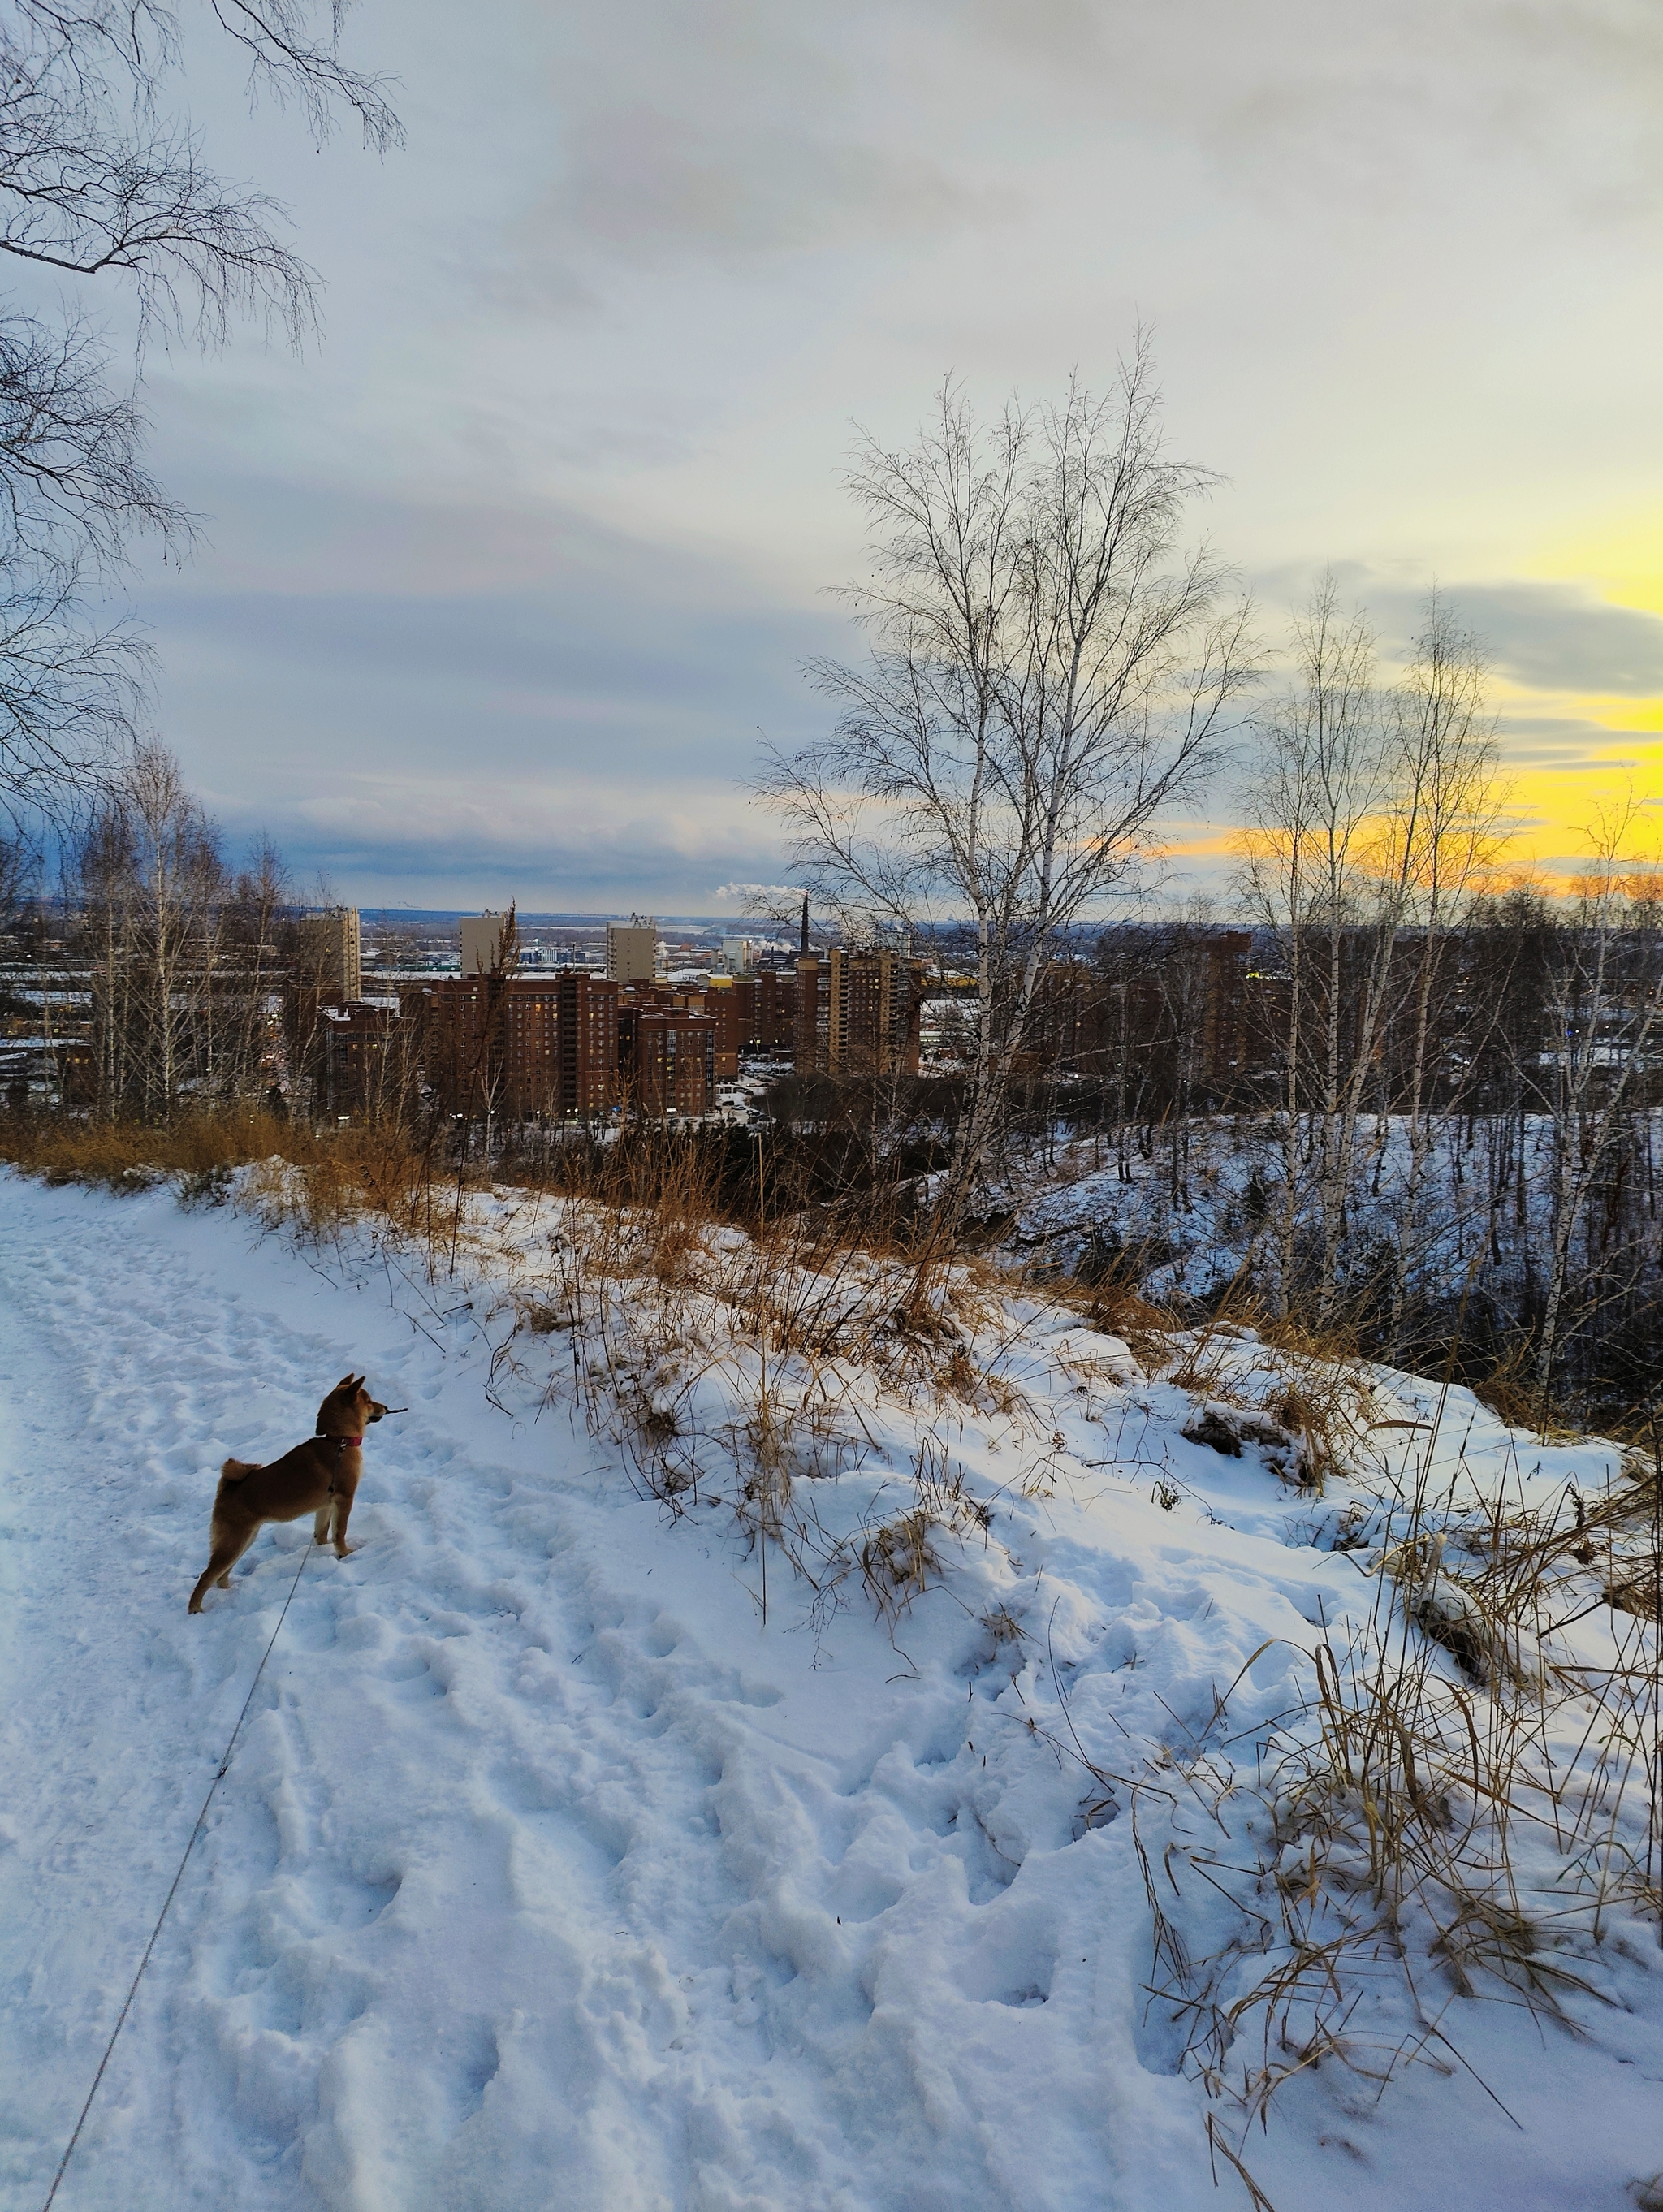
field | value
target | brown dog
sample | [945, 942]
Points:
[319, 1476]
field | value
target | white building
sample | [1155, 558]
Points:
[490, 945]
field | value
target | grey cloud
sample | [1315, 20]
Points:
[517, 671]
[730, 133]
[645, 183]
[594, 725]
[1547, 756]
[1560, 763]
[1553, 731]
[581, 875]
[740, 133]
[1291, 95]
[289, 533]
[1549, 636]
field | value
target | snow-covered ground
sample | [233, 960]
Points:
[548, 1873]
[1210, 1221]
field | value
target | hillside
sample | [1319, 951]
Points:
[562, 1860]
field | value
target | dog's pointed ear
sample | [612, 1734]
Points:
[346, 1382]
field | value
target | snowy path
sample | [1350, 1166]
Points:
[490, 1911]
[544, 1875]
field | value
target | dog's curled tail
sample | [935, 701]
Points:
[234, 1469]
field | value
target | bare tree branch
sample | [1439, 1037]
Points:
[99, 182]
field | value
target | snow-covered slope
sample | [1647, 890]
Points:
[546, 1873]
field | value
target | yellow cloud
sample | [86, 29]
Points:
[1621, 559]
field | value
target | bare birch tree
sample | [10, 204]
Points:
[1049, 673]
[187, 964]
[1318, 780]
[1373, 813]
[1442, 836]
[152, 887]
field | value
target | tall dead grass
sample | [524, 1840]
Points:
[63, 1149]
[317, 1182]
[1450, 1801]
[1303, 1398]
[741, 1363]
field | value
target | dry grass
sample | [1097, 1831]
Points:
[897, 1556]
[739, 1368]
[1510, 1388]
[785, 1315]
[1447, 1802]
[128, 1154]
[1444, 1803]
[314, 1180]
[898, 1561]
[1301, 1398]
[1148, 1331]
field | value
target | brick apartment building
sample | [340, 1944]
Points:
[666, 1057]
[562, 1045]
[753, 1014]
[517, 1045]
[588, 1044]
[857, 1014]
[1179, 1005]
[364, 1064]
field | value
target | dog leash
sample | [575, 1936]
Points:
[121, 2017]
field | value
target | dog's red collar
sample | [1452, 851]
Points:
[340, 1442]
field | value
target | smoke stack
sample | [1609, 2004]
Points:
[804, 953]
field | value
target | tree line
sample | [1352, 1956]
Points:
[179, 980]
[1422, 1144]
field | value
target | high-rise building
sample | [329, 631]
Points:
[633, 949]
[589, 1074]
[808, 1024]
[365, 1065]
[490, 945]
[857, 1013]
[330, 955]
[753, 1014]
[736, 956]
[667, 1056]
[518, 1045]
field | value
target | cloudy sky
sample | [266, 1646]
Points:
[501, 582]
